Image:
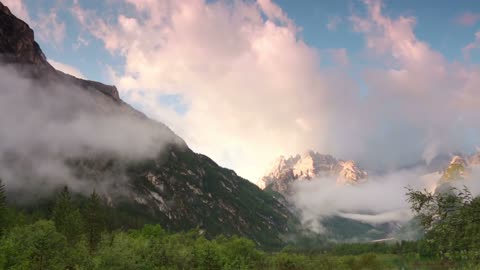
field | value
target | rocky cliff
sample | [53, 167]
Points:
[309, 166]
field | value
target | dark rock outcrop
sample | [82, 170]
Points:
[18, 47]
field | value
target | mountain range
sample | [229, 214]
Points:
[310, 166]
[176, 187]
[173, 186]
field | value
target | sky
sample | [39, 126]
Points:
[386, 83]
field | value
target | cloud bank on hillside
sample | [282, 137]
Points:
[44, 125]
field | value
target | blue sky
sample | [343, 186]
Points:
[437, 24]
[246, 81]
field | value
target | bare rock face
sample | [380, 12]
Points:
[459, 168]
[17, 41]
[309, 166]
[350, 173]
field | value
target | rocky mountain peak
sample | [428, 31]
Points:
[350, 173]
[17, 42]
[18, 47]
[459, 168]
[308, 166]
[459, 160]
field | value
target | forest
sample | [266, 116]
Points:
[81, 234]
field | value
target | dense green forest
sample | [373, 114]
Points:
[81, 234]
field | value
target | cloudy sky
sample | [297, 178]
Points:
[386, 83]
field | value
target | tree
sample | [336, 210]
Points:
[3, 207]
[67, 217]
[94, 220]
[37, 246]
[451, 220]
[434, 207]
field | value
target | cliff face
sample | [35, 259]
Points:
[177, 188]
[17, 43]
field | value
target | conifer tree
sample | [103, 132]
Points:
[94, 220]
[67, 217]
[3, 207]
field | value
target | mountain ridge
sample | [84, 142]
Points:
[311, 165]
[177, 188]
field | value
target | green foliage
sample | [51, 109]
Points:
[451, 242]
[94, 220]
[67, 217]
[36, 246]
[3, 207]
[451, 220]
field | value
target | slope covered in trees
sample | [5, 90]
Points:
[76, 233]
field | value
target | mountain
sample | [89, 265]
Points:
[176, 187]
[311, 165]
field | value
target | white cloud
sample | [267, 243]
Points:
[333, 22]
[379, 200]
[61, 123]
[247, 80]
[472, 46]
[66, 68]
[48, 27]
[255, 90]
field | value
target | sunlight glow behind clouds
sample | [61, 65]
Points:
[247, 78]
[251, 88]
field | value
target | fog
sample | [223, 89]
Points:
[379, 200]
[45, 124]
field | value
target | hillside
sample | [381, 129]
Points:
[172, 186]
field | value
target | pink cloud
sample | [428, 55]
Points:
[255, 89]
[333, 22]
[471, 46]
[66, 68]
[50, 28]
[340, 56]
[468, 19]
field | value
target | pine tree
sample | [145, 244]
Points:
[67, 217]
[3, 207]
[94, 220]
[3, 197]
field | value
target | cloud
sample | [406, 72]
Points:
[340, 56]
[333, 22]
[472, 46]
[468, 19]
[48, 27]
[18, 8]
[419, 98]
[246, 78]
[254, 89]
[379, 200]
[66, 69]
[62, 123]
